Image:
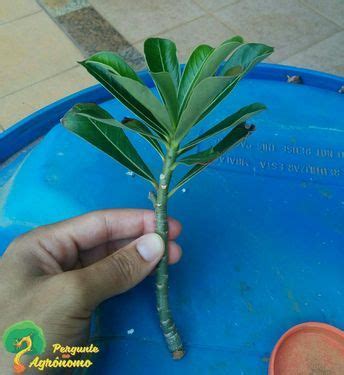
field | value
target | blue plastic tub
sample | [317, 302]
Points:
[263, 227]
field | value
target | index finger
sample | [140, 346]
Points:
[65, 239]
[98, 227]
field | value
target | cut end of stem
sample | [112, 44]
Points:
[178, 354]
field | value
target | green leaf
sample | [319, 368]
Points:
[203, 62]
[109, 139]
[204, 158]
[249, 54]
[192, 70]
[201, 98]
[217, 57]
[134, 125]
[236, 38]
[212, 153]
[134, 95]
[246, 57]
[141, 129]
[168, 94]
[94, 112]
[161, 56]
[115, 63]
[147, 98]
[232, 120]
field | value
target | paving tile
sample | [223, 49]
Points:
[332, 9]
[91, 32]
[134, 58]
[13, 9]
[60, 7]
[137, 20]
[32, 49]
[289, 26]
[215, 4]
[327, 56]
[202, 30]
[16, 106]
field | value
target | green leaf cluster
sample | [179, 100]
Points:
[186, 97]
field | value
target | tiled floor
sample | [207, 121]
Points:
[41, 40]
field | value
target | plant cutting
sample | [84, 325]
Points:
[185, 98]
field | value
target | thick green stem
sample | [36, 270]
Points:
[168, 327]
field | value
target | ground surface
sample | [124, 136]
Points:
[40, 41]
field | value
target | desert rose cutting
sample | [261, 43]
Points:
[186, 98]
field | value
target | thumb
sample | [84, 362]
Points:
[121, 270]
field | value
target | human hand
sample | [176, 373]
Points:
[57, 274]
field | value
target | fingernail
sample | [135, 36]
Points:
[150, 247]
